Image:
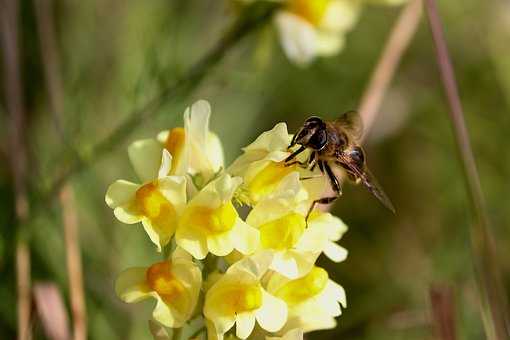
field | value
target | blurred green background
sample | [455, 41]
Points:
[115, 55]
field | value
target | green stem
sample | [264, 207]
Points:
[488, 274]
[249, 19]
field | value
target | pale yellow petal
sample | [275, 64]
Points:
[127, 214]
[215, 152]
[329, 44]
[145, 156]
[293, 334]
[341, 15]
[174, 190]
[120, 193]
[192, 241]
[159, 235]
[245, 238]
[167, 315]
[334, 252]
[245, 322]
[336, 292]
[130, 285]
[275, 139]
[256, 264]
[297, 37]
[272, 315]
[220, 244]
[166, 164]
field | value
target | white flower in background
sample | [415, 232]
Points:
[210, 223]
[239, 298]
[313, 28]
[157, 202]
[175, 284]
[195, 149]
[284, 230]
[313, 300]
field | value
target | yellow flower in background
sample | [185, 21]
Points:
[293, 334]
[210, 223]
[194, 148]
[313, 300]
[239, 298]
[174, 283]
[157, 202]
[313, 28]
[284, 230]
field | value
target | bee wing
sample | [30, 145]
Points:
[375, 188]
[351, 123]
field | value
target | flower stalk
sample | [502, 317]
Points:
[488, 275]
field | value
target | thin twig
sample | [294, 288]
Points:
[401, 35]
[74, 265]
[251, 18]
[487, 270]
[51, 64]
[443, 312]
[51, 310]
[18, 156]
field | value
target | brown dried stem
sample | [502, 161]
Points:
[18, 156]
[51, 64]
[488, 275]
[74, 265]
[398, 41]
[51, 310]
[443, 312]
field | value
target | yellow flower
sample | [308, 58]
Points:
[333, 229]
[283, 229]
[157, 202]
[311, 28]
[262, 163]
[194, 148]
[210, 223]
[175, 284]
[293, 334]
[313, 300]
[239, 298]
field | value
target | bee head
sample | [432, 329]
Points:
[312, 134]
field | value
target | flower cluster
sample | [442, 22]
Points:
[242, 249]
[317, 28]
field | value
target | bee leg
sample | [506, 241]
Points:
[335, 184]
[312, 161]
[323, 200]
[294, 154]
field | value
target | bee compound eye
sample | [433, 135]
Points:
[357, 155]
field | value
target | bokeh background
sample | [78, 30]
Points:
[115, 55]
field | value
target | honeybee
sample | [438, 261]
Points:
[336, 144]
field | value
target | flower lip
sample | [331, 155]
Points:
[161, 280]
[175, 143]
[299, 290]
